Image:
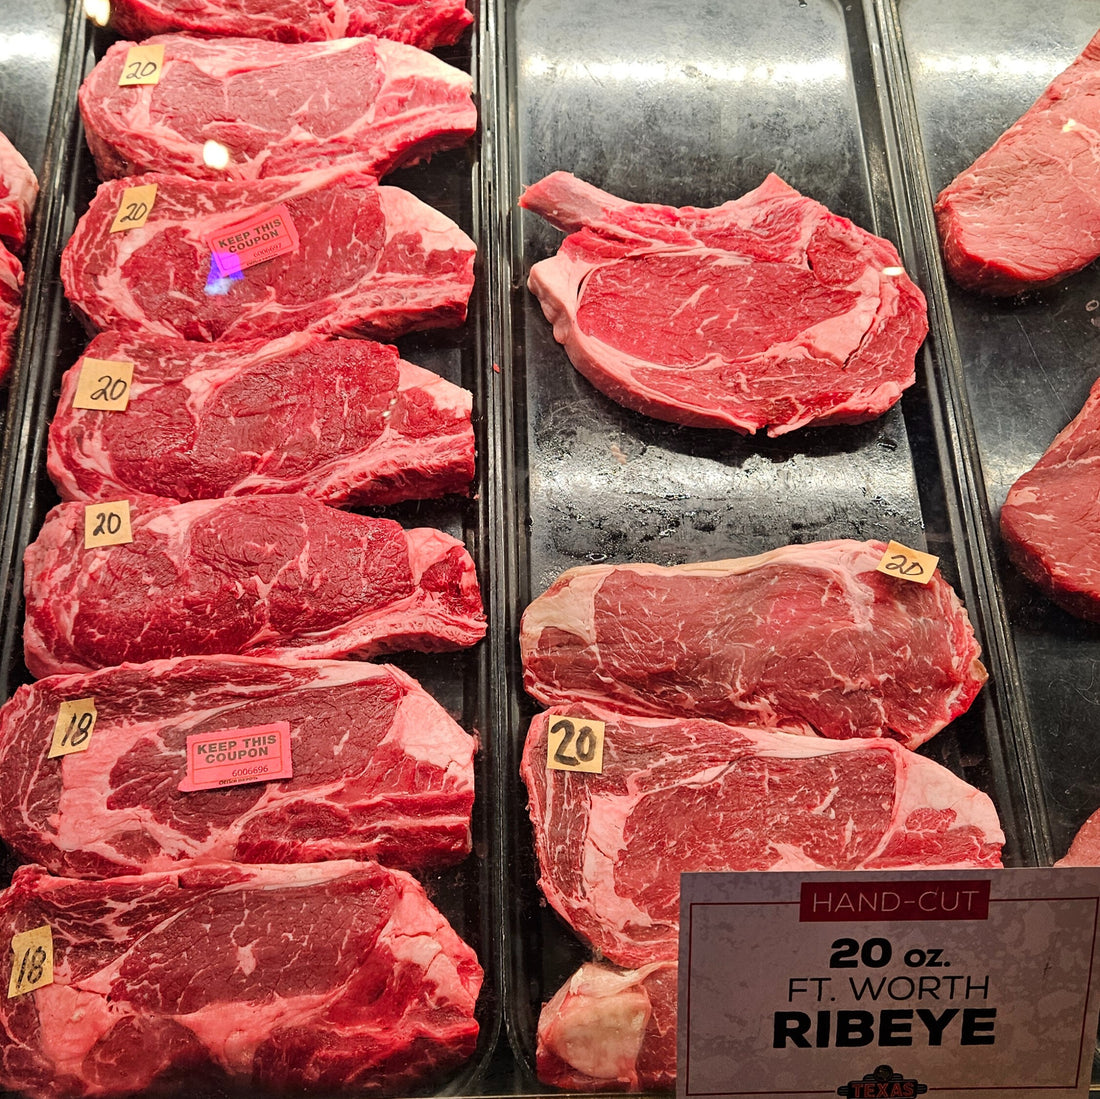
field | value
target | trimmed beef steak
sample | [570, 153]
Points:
[1085, 848]
[343, 421]
[18, 193]
[1051, 515]
[810, 638]
[381, 771]
[259, 575]
[336, 976]
[423, 23]
[1027, 212]
[689, 795]
[611, 1029]
[372, 261]
[768, 311]
[277, 109]
[11, 307]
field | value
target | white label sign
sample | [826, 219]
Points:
[888, 984]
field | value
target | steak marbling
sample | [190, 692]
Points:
[809, 638]
[381, 771]
[276, 109]
[768, 311]
[260, 575]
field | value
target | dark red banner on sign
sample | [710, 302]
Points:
[847, 901]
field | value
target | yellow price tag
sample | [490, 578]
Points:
[72, 732]
[574, 744]
[32, 960]
[143, 65]
[909, 564]
[135, 207]
[104, 384]
[107, 524]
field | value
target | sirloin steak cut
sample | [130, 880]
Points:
[18, 194]
[372, 261]
[381, 771]
[423, 23]
[11, 308]
[691, 795]
[768, 311]
[1051, 516]
[278, 109]
[611, 1029]
[336, 976]
[343, 421]
[810, 638]
[1027, 212]
[257, 575]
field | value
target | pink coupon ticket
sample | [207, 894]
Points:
[234, 757]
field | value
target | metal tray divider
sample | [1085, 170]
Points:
[974, 529]
[505, 280]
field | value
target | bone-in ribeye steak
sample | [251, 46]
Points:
[372, 261]
[611, 1029]
[1051, 517]
[18, 193]
[1027, 212]
[258, 575]
[810, 638]
[688, 795]
[11, 307]
[381, 771]
[328, 977]
[343, 421]
[277, 109]
[423, 23]
[768, 311]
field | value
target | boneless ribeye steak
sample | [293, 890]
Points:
[1085, 848]
[423, 23]
[810, 638]
[329, 977]
[370, 260]
[255, 575]
[275, 109]
[11, 307]
[343, 421]
[1051, 516]
[767, 311]
[381, 771]
[1027, 213]
[684, 795]
[18, 193]
[611, 1029]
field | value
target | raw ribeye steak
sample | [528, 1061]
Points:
[337, 976]
[1050, 519]
[690, 795]
[1027, 212]
[1085, 848]
[372, 261]
[611, 1029]
[276, 109]
[423, 23]
[810, 638]
[11, 307]
[18, 193]
[343, 421]
[768, 311]
[381, 771]
[255, 575]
